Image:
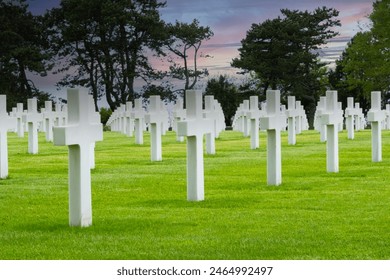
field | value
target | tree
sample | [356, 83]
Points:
[365, 64]
[21, 52]
[109, 43]
[184, 41]
[380, 30]
[283, 53]
[227, 95]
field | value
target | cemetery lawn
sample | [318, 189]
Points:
[140, 209]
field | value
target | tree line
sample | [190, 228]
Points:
[111, 47]
[104, 45]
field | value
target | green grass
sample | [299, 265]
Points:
[140, 209]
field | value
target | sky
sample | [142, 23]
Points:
[231, 19]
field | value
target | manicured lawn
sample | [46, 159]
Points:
[140, 209]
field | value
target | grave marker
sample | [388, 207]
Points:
[376, 116]
[331, 119]
[194, 127]
[129, 119]
[19, 118]
[79, 134]
[350, 113]
[32, 118]
[6, 123]
[292, 114]
[48, 119]
[155, 119]
[138, 115]
[273, 122]
[253, 116]
[212, 115]
[179, 114]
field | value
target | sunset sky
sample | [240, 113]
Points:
[231, 19]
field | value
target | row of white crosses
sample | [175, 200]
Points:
[297, 119]
[132, 121]
[47, 118]
[246, 119]
[240, 121]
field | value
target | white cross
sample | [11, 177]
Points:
[387, 116]
[80, 132]
[95, 118]
[376, 116]
[321, 109]
[360, 120]
[292, 114]
[6, 123]
[165, 118]
[350, 113]
[179, 114]
[129, 120]
[194, 127]
[48, 118]
[19, 118]
[273, 122]
[122, 118]
[254, 115]
[32, 118]
[331, 119]
[155, 120]
[212, 115]
[138, 115]
[244, 119]
[298, 123]
[221, 126]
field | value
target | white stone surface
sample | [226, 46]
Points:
[292, 115]
[376, 116]
[19, 119]
[194, 128]
[320, 126]
[138, 115]
[179, 114]
[155, 118]
[331, 119]
[273, 121]
[211, 114]
[253, 115]
[79, 134]
[48, 118]
[129, 120]
[6, 123]
[32, 119]
[350, 114]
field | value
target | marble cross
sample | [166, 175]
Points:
[32, 118]
[211, 114]
[376, 116]
[253, 115]
[79, 134]
[331, 119]
[292, 114]
[6, 123]
[138, 114]
[194, 128]
[155, 118]
[273, 121]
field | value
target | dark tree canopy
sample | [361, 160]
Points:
[22, 50]
[365, 64]
[283, 52]
[109, 43]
